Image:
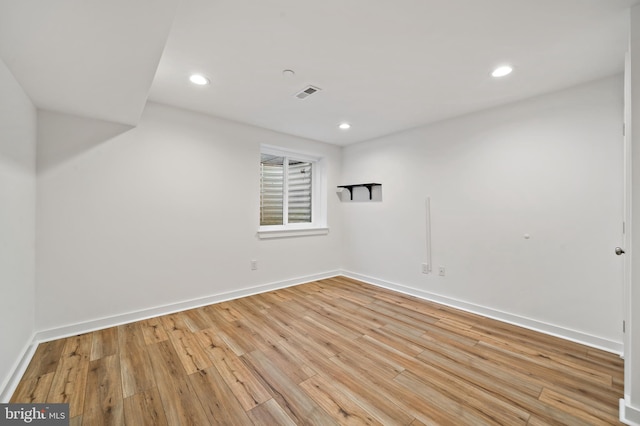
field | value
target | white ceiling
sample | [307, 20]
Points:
[92, 58]
[384, 66]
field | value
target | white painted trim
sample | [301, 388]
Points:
[628, 414]
[627, 237]
[99, 324]
[74, 329]
[264, 234]
[17, 371]
[283, 152]
[318, 226]
[531, 324]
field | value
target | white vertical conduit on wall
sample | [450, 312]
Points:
[428, 232]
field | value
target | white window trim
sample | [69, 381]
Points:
[265, 234]
[318, 224]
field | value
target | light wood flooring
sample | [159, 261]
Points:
[335, 351]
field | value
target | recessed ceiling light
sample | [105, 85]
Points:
[345, 126]
[288, 73]
[502, 71]
[198, 79]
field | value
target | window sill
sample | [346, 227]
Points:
[264, 234]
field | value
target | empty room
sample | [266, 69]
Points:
[419, 212]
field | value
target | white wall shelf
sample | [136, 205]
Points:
[369, 186]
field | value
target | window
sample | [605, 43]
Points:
[291, 201]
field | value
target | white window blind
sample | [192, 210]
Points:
[299, 191]
[285, 187]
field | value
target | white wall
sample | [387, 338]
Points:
[17, 223]
[550, 167]
[161, 213]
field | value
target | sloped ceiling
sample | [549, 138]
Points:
[383, 66]
[91, 58]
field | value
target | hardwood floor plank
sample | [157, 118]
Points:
[416, 316]
[550, 374]
[33, 390]
[359, 298]
[409, 401]
[356, 313]
[583, 411]
[536, 421]
[256, 320]
[299, 334]
[490, 404]
[249, 391]
[178, 396]
[144, 409]
[296, 369]
[477, 369]
[219, 403]
[213, 314]
[103, 402]
[519, 335]
[368, 398]
[402, 321]
[330, 325]
[318, 334]
[443, 409]
[261, 336]
[228, 311]
[436, 332]
[104, 343]
[153, 331]
[520, 388]
[398, 341]
[45, 359]
[337, 404]
[301, 408]
[551, 360]
[240, 338]
[135, 368]
[605, 360]
[37, 379]
[274, 297]
[196, 320]
[174, 322]
[269, 413]
[338, 312]
[70, 379]
[495, 375]
[191, 354]
[334, 351]
[371, 360]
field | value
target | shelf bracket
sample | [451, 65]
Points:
[369, 186]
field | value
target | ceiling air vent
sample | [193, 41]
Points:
[307, 91]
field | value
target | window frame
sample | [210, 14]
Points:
[318, 224]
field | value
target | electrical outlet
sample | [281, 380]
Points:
[254, 265]
[441, 271]
[425, 268]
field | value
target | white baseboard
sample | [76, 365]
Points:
[10, 384]
[15, 374]
[112, 321]
[628, 414]
[74, 329]
[553, 330]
